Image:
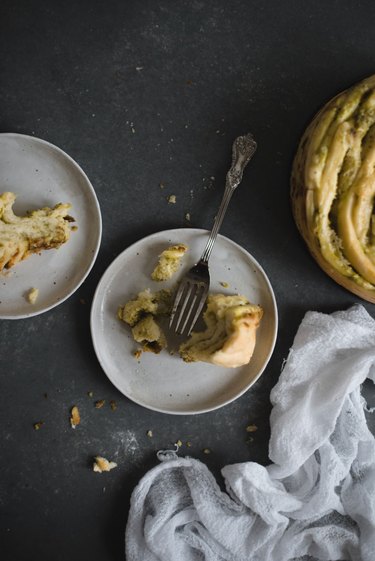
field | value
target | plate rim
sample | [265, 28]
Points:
[94, 305]
[99, 230]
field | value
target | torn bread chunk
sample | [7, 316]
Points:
[149, 334]
[146, 302]
[20, 236]
[230, 335]
[140, 314]
[169, 262]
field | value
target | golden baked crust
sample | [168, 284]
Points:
[230, 335]
[169, 262]
[333, 188]
[20, 236]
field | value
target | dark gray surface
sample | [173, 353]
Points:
[209, 71]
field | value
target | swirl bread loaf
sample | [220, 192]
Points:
[333, 188]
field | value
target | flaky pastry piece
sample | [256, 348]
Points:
[333, 188]
[230, 335]
[169, 262]
[20, 236]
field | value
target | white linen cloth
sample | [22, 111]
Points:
[316, 499]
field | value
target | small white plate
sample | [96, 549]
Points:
[40, 174]
[164, 382]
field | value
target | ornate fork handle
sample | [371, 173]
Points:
[243, 150]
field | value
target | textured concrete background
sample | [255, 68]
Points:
[140, 93]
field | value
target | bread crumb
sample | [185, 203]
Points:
[99, 404]
[224, 284]
[187, 216]
[137, 353]
[150, 434]
[206, 451]
[178, 443]
[172, 199]
[113, 405]
[102, 464]
[38, 425]
[32, 295]
[251, 428]
[90, 394]
[75, 417]
[188, 444]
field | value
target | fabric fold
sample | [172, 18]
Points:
[316, 498]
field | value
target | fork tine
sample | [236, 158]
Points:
[180, 298]
[191, 300]
[195, 308]
[176, 303]
[200, 304]
[186, 299]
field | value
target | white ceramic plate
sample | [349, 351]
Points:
[164, 382]
[40, 174]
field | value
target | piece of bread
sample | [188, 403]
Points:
[333, 188]
[169, 262]
[146, 302]
[140, 314]
[149, 334]
[20, 236]
[230, 335]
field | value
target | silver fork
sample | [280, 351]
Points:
[193, 289]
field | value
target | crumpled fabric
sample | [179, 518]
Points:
[316, 498]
